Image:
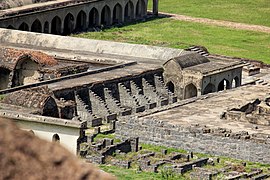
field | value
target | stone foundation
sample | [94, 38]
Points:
[218, 141]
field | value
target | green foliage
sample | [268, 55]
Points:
[109, 136]
[159, 148]
[129, 174]
[169, 174]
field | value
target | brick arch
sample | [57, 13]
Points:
[36, 26]
[190, 91]
[235, 82]
[81, 21]
[23, 27]
[140, 8]
[106, 16]
[129, 11]
[93, 17]
[117, 14]
[224, 84]
[56, 25]
[69, 23]
[210, 88]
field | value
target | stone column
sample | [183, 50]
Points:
[155, 7]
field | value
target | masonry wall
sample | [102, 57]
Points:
[45, 128]
[196, 139]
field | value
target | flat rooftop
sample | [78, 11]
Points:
[207, 111]
[215, 66]
[126, 71]
[35, 7]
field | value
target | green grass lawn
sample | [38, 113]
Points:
[177, 34]
[247, 11]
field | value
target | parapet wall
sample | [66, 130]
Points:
[87, 45]
[218, 141]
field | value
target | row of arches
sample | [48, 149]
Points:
[222, 85]
[71, 23]
[191, 90]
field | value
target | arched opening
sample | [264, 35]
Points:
[129, 11]
[4, 78]
[117, 14]
[106, 16]
[223, 85]
[140, 8]
[93, 17]
[210, 88]
[235, 82]
[50, 108]
[24, 27]
[68, 24]
[56, 138]
[36, 26]
[170, 86]
[56, 25]
[26, 72]
[81, 21]
[46, 27]
[190, 91]
[10, 27]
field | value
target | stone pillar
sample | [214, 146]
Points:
[155, 7]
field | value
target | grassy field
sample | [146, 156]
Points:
[177, 34]
[247, 11]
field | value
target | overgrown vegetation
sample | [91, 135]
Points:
[169, 174]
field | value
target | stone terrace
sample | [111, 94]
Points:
[207, 111]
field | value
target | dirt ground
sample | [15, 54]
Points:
[234, 25]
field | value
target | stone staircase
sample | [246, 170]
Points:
[100, 107]
[143, 100]
[129, 100]
[198, 50]
[151, 92]
[114, 105]
[163, 90]
[86, 114]
[251, 69]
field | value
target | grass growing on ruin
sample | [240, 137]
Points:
[172, 33]
[133, 173]
[248, 11]
[109, 136]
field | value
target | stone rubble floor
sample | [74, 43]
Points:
[207, 111]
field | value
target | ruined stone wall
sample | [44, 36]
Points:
[197, 139]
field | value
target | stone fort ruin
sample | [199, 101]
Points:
[68, 89]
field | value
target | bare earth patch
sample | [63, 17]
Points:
[234, 25]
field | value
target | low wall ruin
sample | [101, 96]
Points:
[219, 141]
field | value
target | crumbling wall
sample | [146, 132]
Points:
[217, 141]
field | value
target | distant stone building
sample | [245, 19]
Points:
[192, 74]
[65, 17]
